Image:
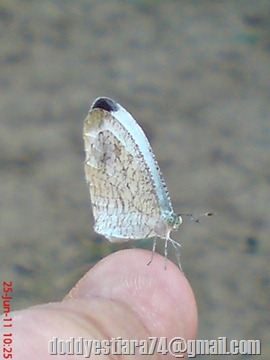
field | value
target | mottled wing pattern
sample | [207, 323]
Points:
[123, 195]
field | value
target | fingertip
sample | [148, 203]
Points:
[162, 299]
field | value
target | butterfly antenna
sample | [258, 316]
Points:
[196, 218]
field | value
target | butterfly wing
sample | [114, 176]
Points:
[128, 193]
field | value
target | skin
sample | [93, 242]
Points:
[119, 296]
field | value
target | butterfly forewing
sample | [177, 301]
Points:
[118, 174]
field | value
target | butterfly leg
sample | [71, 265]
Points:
[153, 250]
[177, 246]
[166, 252]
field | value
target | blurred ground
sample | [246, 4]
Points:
[196, 76]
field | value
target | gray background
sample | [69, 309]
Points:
[196, 76]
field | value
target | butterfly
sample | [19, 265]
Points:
[130, 199]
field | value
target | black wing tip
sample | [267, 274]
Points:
[105, 104]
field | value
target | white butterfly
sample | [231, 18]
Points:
[129, 196]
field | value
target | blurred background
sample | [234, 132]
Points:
[196, 76]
